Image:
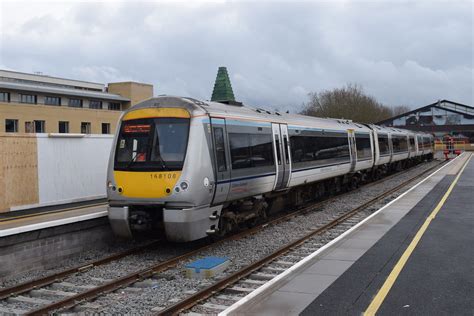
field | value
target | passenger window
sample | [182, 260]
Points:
[384, 148]
[321, 149]
[251, 150]
[285, 143]
[395, 144]
[364, 149]
[220, 149]
[399, 143]
[412, 143]
[421, 143]
[277, 142]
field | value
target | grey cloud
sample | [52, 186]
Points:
[401, 52]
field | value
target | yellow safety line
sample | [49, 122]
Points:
[21, 218]
[382, 293]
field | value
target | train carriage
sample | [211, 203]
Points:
[195, 168]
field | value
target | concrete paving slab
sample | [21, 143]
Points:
[346, 254]
[308, 283]
[358, 243]
[329, 267]
[284, 303]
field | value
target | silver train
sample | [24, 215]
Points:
[193, 169]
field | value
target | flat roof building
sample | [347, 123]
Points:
[35, 103]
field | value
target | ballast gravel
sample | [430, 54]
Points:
[73, 261]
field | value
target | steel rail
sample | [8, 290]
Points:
[220, 285]
[159, 267]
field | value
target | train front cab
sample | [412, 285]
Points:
[160, 172]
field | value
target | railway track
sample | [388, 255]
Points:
[64, 296]
[34, 287]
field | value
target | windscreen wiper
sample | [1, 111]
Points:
[134, 159]
[158, 154]
[163, 163]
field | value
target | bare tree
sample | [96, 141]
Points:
[400, 109]
[349, 102]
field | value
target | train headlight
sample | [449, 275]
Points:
[184, 186]
[109, 184]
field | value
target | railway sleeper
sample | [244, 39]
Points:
[301, 253]
[192, 314]
[352, 221]
[285, 263]
[216, 307]
[237, 289]
[261, 276]
[272, 270]
[100, 280]
[338, 230]
[292, 258]
[87, 307]
[252, 282]
[75, 288]
[131, 290]
[227, 297]
[306, 249]
[28, 300]
[55, 293]
[315, 244]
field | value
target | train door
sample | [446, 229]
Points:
[222, 160]
[375, 143]
[278, 156]
[281, 147]
[390, 146]
[352, 148]
[418, 145]
[286, 158]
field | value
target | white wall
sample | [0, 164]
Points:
[72, 167]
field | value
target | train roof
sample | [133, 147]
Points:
[247, 112]
[237, 110]
[243, 112]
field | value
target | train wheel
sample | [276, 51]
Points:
[227, 224]
[355, 183]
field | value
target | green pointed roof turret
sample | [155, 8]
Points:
[222, 87]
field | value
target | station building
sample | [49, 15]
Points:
[33, 103]
[440, 118]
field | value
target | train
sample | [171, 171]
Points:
[192, 169]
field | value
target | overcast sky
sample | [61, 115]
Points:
[402, 52]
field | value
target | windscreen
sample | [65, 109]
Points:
[154, 144]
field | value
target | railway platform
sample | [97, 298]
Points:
[413, 256]
[21, 222]
[37, 240]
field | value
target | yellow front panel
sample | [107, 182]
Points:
[146, 184]
[156, 112]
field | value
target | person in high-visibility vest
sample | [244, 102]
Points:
[450, 144]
